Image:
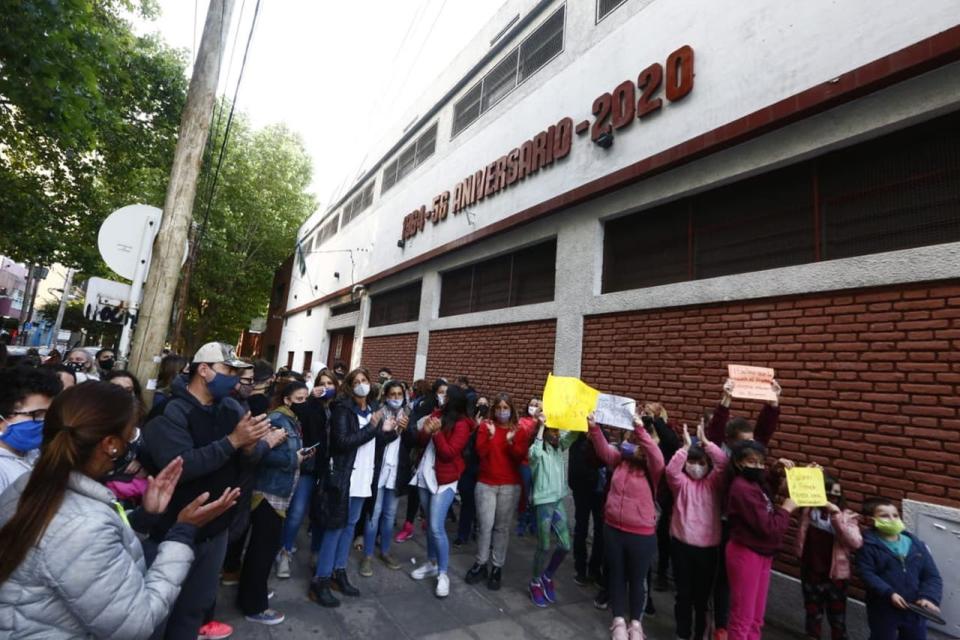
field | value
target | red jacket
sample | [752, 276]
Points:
[630, 503]
[767, 422]
[755, 522]
[499, 460]
[449, 444]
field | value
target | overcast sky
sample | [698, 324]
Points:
[338, 73]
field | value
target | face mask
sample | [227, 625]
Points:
[532, 410]
[503, 415]
[889, 527]
[361, 390]
[482, 410]
[696, 471]
[23, 436]
[328, 393]
[121, 462]
[627, 449]
[75, 367]
[107, 364]
[395, 404]
[221, 386]
[300, 410]
[245, 390]
[441, 399]
[752, 474]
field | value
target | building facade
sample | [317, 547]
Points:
[639, 193]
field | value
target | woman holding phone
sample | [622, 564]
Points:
[388, 477]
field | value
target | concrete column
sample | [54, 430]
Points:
[429, 307]
[579, 254]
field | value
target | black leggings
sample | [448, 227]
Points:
[413, 504]
[628, 559]
[266, 527]
[693, 571]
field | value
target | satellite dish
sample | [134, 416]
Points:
[121, 233]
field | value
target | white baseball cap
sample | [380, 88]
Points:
[214, 352]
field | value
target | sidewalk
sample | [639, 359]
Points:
[394, 607]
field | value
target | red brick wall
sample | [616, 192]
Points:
[515, 358]
[398, 353]
[869, 379]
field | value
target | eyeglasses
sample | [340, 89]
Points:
[36, 414]
[246, 383]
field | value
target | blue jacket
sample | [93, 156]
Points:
[884, 574]
[276, 470]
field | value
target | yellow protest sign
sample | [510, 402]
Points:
[806, 486]
[567, 402]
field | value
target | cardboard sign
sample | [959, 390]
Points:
[615, 411]
[805, 485]
[567, 402]
[752, 383]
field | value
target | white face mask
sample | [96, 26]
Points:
[361, 389]
[441, 399]
[696, 471]
[532, 410]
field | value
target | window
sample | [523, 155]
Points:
[899, 191]
[410, 158]
[527, 276]
[307, 360]
[396, 306]
[357, 204]
[342, 309]
[327, 230]
[517, 65]
[604, 7]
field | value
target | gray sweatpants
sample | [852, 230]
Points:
[496, 506]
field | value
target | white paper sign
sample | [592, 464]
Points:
[615, 411]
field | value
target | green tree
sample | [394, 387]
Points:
[89, 114]
[261, 199]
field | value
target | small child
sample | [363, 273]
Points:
[827, 538]
[897, 569]
[695, 476]
[549, 481]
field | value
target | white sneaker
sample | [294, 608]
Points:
[443, 586]
[283, 564]
[426, 570]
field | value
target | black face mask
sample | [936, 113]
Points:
[483, 410]
[75, 367]
[300, 410]
[752, 474]
[107, 364]
[120, 464]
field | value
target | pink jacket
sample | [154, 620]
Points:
[697, 503]
[846, 540]
[630, 504]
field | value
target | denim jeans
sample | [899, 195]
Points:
[299, 506]
[436, 508]
[335, 546]
[383, 516]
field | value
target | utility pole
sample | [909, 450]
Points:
[64, 299]
[153, 320]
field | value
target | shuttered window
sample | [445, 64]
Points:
[542, 45]
[410, 158]
[604, 7]
[396, 306]
[357, 204]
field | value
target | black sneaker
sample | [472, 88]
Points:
[493, 582]
[320, 593]
[602, 601]
[581, 580]
[342, 584]
[477, 573]
[650, 610]
[662, 583]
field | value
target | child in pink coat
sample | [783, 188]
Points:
[695, 475]
[826, 540]
[630, 522]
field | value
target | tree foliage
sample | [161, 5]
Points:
[261, 199]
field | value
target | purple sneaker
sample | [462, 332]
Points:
[536, 594]
[548, 591]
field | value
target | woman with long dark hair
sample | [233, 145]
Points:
[70, 563]
[427, 399]
[443, 434]
[353, 428]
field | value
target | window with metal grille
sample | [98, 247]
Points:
[527, 276]
[357, 204]
[327, 230]
[604, 7]
[396, 306]
[410, 158]
[515, 67]
[899, 191]
[499, 81]
[542, 45]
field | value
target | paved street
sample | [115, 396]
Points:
[393, 606]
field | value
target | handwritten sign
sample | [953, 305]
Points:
[615, 411]
[567, 402]
[752, 383]
[805, 485]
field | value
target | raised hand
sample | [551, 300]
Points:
[274, 437]
[160, 489]
[701, 433]
[491, 428]
[777, 389]
[402, 422]
[687, 440]
[198, 514]
[249, 430]
[727, 396]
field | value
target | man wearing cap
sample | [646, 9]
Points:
[219, 443]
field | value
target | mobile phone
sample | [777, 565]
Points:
[307, 450]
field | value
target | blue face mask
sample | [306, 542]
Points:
[395, 404]
[329, 392]
[23, 436]
[221, 386]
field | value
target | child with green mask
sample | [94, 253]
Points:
[898, 571]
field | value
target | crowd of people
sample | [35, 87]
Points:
[121, 520]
